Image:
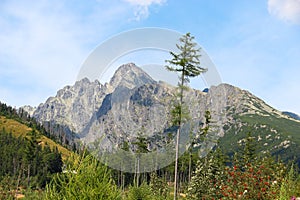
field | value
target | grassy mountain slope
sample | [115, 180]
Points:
[272, 133]
[18, 129]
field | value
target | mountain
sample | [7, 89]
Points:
[74, 106]
[84, 98]
[132, 103]
[292, 115]
[29, 109]
[273, 131]
[128, 76]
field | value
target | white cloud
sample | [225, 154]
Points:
[142, 7]
[43, 44]
[287, 10]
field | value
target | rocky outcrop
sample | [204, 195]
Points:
[29, 109]
[73, 105]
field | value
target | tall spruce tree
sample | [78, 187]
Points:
[187, 64]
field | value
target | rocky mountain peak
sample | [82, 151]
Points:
[133, 102]
[29, 109]
[129, 76]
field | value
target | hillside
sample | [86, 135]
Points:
[18, 129]
[279, 136]
[28, 157]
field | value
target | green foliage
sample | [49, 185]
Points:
[249, 149]
[187, 61]
[83, 178]
[249, 177]
[205, 129]
[255, 181]
[141, 144]
[6, 190]
[208, 176]
[48, 129]
[33, 194]
[25, 163]
[159, 187]
[148, 192]
[252, 176]
[20, 116]
[269, 131]
[187, 64]
[142, 192]
[290, 186]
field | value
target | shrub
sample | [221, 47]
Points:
[83, 178]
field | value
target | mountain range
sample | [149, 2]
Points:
[134, 104]
[292, 115]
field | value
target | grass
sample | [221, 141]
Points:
[15, 128]
[20, 130]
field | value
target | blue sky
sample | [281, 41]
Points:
[255, 45]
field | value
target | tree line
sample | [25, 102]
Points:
[59, 133]
[24, 162]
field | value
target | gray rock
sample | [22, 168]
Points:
[132, 103]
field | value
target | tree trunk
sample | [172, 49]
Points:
[138, 172]
[19, 178]
[190, 166]
[28, 176]
[123, 182]
[135, 171]
[176, 164]
[178, 134]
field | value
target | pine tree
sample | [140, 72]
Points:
[187, 64]
[208, 174]
[84, 178]
[141, 147]
[249, 154]
[159, 187]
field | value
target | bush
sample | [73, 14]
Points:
[290, 186]
[142, 192]
[83, 178]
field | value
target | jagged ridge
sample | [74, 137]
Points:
[133, 102]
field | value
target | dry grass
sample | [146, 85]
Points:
[20, 130]
[15, 128]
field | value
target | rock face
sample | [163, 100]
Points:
[132, 103]
[73, 105]
[29, 109]
[128, 76]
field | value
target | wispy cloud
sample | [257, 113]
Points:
[39, 46]
[141, 7]
[45, 42]
[287, 10]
